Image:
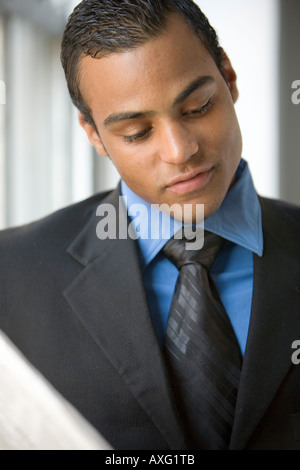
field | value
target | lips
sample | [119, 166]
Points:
[189, 182]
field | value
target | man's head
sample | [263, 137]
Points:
[100, 27]
[156, 94]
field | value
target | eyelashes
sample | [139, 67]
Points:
[140, 136]
[200, 111]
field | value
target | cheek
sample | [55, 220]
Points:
[217, 132]
[235, 141]
[227, 136]
[132, 162]
[126, 171]
[133, 171]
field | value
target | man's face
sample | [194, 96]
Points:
[166, 118]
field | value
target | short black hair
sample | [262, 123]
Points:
[100, 27]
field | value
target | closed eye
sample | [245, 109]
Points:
[200, 111]
[137, 137]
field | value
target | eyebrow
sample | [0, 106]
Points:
[193, 86]
[117, 117]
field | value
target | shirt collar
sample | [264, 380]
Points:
[238, 219]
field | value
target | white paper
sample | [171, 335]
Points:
[33, 416]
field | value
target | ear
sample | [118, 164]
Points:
[93, 136]
[230, 76]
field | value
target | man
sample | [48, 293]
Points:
[156, 95]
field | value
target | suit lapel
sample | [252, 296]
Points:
[274, 322]
[109, 299]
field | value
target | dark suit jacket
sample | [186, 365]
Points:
[76, 307]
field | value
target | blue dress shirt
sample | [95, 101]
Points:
[238, 220]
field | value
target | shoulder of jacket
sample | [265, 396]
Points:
[61, 224]
[291, 210]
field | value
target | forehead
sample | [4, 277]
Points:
[147, 75]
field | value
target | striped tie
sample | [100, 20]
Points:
[201, 350]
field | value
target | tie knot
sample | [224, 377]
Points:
[176, 251]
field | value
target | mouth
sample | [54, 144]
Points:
[192, 181]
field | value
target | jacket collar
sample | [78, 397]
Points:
[123, 330]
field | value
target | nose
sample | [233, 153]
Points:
[177, 144]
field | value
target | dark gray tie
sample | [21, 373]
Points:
[201, 349]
